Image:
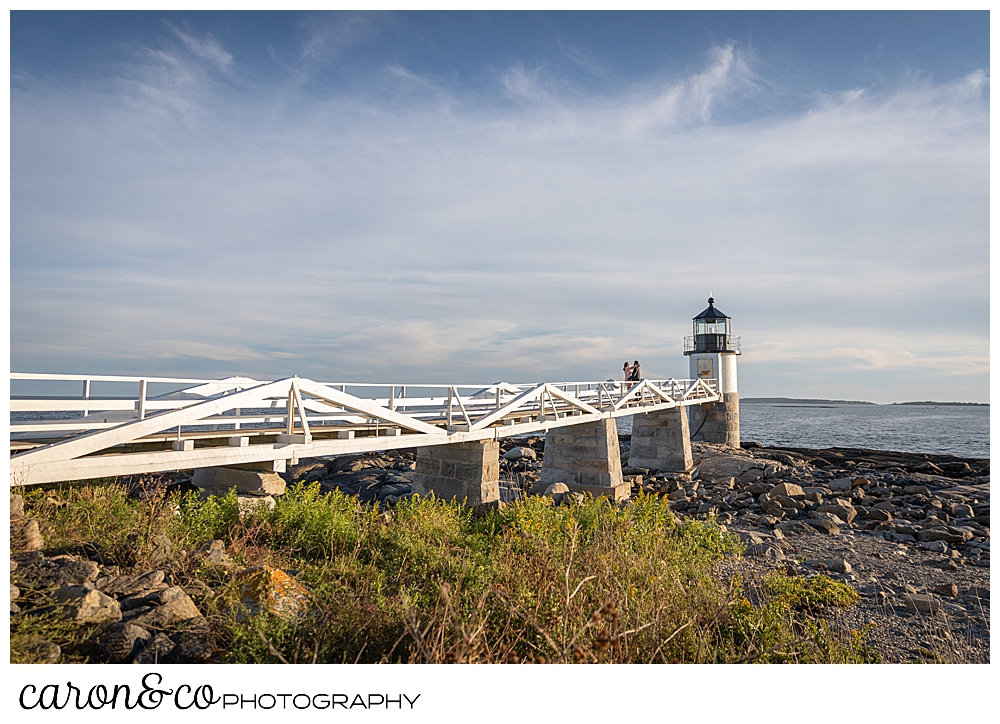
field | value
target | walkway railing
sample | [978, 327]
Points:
[177, 423]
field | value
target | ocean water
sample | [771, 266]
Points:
[960, 431]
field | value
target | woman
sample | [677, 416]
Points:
[627, 370]
[636, 372]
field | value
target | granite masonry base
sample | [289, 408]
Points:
[586, 458]
[466, 471]
[721, 421]
[662, 441]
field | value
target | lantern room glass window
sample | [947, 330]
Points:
[711, 326]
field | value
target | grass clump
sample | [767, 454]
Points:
[428, 581]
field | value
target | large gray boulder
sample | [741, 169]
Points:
[34, 570]
[217, 481]
[725, 466]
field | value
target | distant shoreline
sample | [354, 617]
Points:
[812, 401]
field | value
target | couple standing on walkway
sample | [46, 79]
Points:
[633, 373]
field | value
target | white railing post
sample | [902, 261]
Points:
[448, 414]
[392, 397]
[142, 399]
[86, 395]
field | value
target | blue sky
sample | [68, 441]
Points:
[521, 196]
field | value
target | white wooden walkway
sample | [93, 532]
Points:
[238, 420]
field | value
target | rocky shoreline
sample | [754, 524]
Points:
[910, 532]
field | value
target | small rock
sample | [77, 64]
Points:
[270, 590]
[946, 589]
[962, 510]
[16, 507]
[33, 540]
[172, 606]
[922, 602]
[795, 527]
[977, 593]
[824, 525]
[40, 651]
[155, 650]
[945, 534]
[938, 546]
[520, 453]
[134, 584]
[213, 552]
[785, 490]
[840, 485]
[194, 645]
[15, 592]
[161, 549]
[767, 551]
[250, 503]
[84, 604]
[555, 489]
[118, 641]
[839, 565]
[846, 513]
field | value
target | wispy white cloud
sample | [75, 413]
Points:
[727, 74]
[522, 83]
[191, 226]
[206, 48]
[587, 61]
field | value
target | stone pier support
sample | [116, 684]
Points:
[468, 471]
[661, 440]
[586, 458]
[721, 421]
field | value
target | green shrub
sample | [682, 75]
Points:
[802, 592]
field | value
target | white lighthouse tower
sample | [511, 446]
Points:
[712, 353]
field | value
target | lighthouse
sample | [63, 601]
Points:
[712, 351]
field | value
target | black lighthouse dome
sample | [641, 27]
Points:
[712, 332]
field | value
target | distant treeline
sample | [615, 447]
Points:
[928, 402]
[800, 401]
[810, 401]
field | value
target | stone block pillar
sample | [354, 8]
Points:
[661, 440]
[719, 422]
[586, 458]
[468, 471]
